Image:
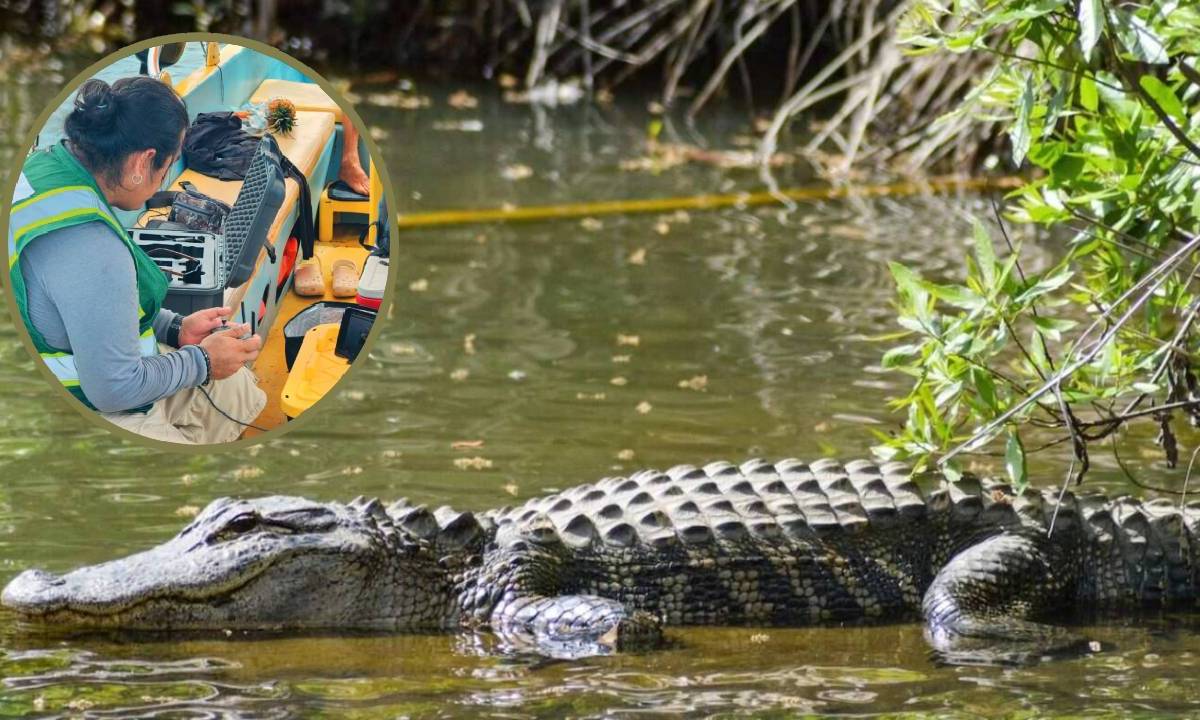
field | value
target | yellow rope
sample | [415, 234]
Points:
[702, 202]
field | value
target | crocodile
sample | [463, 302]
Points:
[604, 566]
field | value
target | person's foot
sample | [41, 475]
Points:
[352, 174]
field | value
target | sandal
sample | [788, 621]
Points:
[345, 278]
[307, 280]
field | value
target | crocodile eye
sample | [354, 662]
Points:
[243, 523]
[239, 525]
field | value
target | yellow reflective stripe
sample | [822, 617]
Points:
[49, 194]
[51, 207]
[63, 367]
[26, 229]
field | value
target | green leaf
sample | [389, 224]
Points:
[1046, 284]
[1020, 130]
[1164, 96]
[1014, 460]
[957, 295]
[1091, 22]
[985, 255]
[1139, 40]
[985, 388]
[907, 281]
[897, 355]
[951, 472]
[1088, 97]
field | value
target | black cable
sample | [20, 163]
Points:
[227, 415]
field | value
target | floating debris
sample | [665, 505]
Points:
[619, 381]
[398, 99]
[550, 92]
[632, 340]
[187, 478]
[466, 444]
[355, 395]
[390, 454]
[621, 358]
[473, 463]
[590, 396]
[459, 125]
[591, 224]
[644, 407]
[469, 343]
[662, 227]
[759, 638]
[402, 349]
[460, 374]
[463, 100]
[516, 172]
[511, 488]
[379, 134]
[247, 472]
[187, 511]
[352, 470]
[517, 375]
[638, 257]
[625, 454]
[420, 285]
[698, 382]
[664, 156]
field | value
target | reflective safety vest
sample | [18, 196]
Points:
[55, 191]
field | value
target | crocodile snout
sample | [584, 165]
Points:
[32, 591]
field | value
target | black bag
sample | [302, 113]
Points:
[190, 209]
[217, 145]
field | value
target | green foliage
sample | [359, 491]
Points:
[1101, 102]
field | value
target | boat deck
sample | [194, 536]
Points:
[271, 365]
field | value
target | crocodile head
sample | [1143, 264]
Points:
[271, 563]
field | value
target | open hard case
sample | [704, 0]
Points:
[205, 264]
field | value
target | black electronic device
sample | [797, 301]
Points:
[223, 260]
[352, 333]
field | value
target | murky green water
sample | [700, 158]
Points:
[563, 352]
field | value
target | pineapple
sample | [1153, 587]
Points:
[281, 116]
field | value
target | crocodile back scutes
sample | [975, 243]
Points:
[722, 502]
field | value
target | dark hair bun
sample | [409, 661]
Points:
[133, 113]
[95, 105]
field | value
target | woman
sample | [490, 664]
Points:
[92, 300]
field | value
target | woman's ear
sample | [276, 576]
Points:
[140, 165]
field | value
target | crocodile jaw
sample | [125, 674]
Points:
[303, 565]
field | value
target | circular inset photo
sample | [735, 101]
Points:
[198, 240]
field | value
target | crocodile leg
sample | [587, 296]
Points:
[978, 608]
[571, 626]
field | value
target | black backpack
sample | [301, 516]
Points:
[218, 146]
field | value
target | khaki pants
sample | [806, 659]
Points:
[188, 417]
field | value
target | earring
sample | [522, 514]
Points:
[137, 179]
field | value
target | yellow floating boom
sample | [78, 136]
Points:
[934, 185]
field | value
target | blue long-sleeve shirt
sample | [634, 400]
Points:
[81, 294]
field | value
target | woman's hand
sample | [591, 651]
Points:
[199, 324]
[227, 352]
